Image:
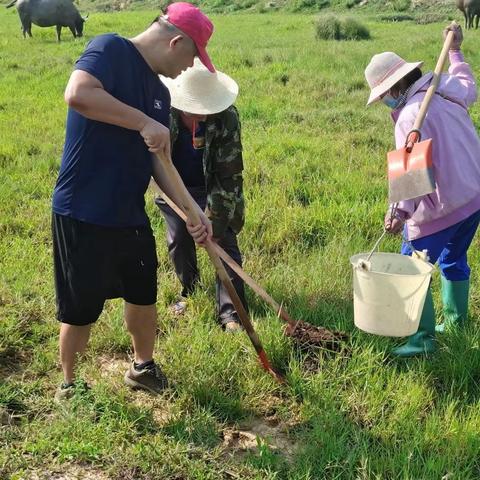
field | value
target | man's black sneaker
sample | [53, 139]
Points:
[149, 378]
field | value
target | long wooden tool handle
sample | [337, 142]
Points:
[192, 212]
[279, 310]
[435, 81]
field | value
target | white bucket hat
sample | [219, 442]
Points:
[201, 92]
[384, 71]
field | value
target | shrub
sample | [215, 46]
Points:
[330, 27]
[352, 29]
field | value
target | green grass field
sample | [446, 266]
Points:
[316, 191]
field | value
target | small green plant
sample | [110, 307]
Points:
[396, 18]
[426, 18]
[331, 27]
[299, 5]
[351, 3]
[401, 5]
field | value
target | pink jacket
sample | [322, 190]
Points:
[455, 150]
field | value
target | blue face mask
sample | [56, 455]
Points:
[395, 103]
[392, 102]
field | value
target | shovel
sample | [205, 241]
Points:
[410, 169]
[191, 211]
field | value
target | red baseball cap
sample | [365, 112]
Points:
[194, 23]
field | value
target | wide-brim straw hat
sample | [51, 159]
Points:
[384, 71]
[200, 91]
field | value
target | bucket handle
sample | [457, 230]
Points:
[377, 243]
[393, 212]
[420, 255]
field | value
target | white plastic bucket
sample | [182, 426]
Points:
[388, 297]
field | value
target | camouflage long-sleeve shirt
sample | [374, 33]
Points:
[222, 166]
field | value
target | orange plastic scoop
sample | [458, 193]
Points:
[410, 169]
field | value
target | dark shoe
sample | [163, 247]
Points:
[178, 308]
[230, 323]
[232, 326]
[66, 391]
[150, 378]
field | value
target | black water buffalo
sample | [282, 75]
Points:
[46, 13]
[471, 11]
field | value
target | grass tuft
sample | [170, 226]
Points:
[332, 27]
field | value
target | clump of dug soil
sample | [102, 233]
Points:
[310, 337]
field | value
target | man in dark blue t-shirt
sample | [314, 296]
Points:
[103, 244]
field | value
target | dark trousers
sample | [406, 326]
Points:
[182, 251]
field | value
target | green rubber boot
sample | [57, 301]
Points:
[422, 342]
[455, 304]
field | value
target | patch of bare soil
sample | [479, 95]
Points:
[12, 361]
[6, 418]
[250, 437]
[162, 407]
[66, 472]
[114, 365]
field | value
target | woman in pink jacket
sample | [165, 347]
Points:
[445, 221]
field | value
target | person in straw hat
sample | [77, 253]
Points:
[207, 152]
[445, 221]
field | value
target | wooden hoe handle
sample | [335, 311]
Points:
[192, 213]
[279, 310]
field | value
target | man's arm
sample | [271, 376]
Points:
[225, 197]
[464, 88]
[86, 95]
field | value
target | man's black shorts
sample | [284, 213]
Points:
[93, 263]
